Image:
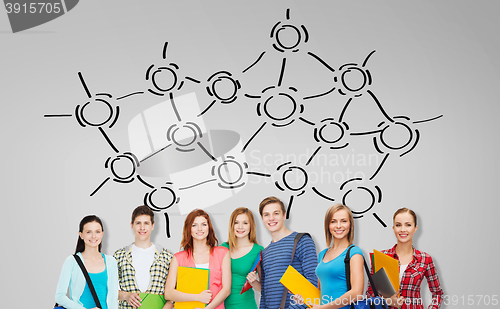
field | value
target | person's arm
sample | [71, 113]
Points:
[172, 294]
[132, 299]
[434, 285]
[63, 284]
[306, 254]
[252, 279]
[226, 283]
[357, 284]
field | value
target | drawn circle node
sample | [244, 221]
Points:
[359, 199]
[224, 88]
[354, 79]
[164, 79]
[230, 172]
[280, 107]
[396, 136]
[288, 37]
[184, 136]
[295, 178]
[97, 112]
[331, 132]
[161, 199]
[123, 167]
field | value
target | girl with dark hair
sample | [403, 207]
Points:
[200, 250]
[102, 270]
[244, 250]
[414, 265]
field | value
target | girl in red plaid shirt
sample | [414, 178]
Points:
[414, 265]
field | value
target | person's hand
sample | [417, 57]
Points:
[252, 277]
[395, 301]
[133, 299]
[205, 296]
[298, 299]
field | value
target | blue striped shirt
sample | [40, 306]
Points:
[275, 260]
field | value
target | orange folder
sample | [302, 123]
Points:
[390, 264]
[194, 281]
[298, 284]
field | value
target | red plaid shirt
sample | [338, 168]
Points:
[421, 266]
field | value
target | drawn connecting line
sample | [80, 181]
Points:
[292, 179]
[165, 78]
[160, 199]
[223, 88]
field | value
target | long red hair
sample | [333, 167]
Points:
[187, 238]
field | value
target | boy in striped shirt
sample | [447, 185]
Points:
[277, 256]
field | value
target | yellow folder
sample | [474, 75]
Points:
[391, 266]
[194, 281]
[298, 284]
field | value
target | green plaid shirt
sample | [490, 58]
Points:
[158, 272]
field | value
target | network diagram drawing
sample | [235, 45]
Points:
[199, 167]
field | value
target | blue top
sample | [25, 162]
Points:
[332, 276]
[275, 260]
[100, 282]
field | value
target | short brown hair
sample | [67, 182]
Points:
[143, 210]
[271, 200]
[252, 236]
[328, 218]
[187, 238]
[403, 210]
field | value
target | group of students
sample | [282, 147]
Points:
[148, 268]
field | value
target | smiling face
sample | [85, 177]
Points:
[241, 226]
[199, 228]
[142, 227]
[91, 234]
[404, 227]
[340, 225]
[273, 217]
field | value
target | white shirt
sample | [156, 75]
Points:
[142, 259]
[202, 265]
[402, 269]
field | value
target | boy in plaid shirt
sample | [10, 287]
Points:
[143, 265]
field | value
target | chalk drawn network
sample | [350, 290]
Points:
[199, 167]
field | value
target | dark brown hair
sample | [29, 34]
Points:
[143, 210]
[80, 244]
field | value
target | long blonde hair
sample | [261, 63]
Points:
[328, 218]
[252, 236]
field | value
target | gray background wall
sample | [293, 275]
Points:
[431, 58]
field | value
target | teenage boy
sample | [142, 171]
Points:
[143, 265]
[278, 255]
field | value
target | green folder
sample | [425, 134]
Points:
[152, 301]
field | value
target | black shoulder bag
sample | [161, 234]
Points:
[89, 282]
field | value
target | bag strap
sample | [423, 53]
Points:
[295, 242]
[347, 261]
[89, 282]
